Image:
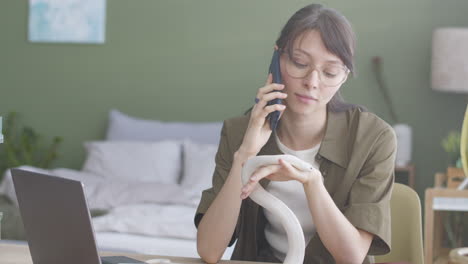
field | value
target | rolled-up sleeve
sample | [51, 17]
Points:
[223, 160]
[369, 201]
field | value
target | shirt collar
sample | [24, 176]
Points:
[335, 143]
[334, 146]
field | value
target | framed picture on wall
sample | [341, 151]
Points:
[67, 21]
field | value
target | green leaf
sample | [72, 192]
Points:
[24, 146]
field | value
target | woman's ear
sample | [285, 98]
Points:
[346, 77]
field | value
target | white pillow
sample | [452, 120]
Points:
[199, 165]
[124, 127]
[135, 161]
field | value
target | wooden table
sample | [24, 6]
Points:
[436, 201]
[19, 254]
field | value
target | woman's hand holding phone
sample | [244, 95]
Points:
[258, 130]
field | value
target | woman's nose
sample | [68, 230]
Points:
[312, 79]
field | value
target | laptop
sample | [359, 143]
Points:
[57, 220]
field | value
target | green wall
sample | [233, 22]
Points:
[204, 60]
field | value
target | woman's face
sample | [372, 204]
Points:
[310, 58]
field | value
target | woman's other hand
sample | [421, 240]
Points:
[284, 171]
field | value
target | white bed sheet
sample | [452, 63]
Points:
[150, 245]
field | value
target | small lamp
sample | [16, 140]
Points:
[450, 71]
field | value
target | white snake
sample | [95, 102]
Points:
[294, 232]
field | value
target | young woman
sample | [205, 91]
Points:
[343, 206]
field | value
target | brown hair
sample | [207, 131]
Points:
[337, 36]
[334, 28]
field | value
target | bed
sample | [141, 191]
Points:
[142, 183]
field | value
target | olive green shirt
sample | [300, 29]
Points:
[356, 158]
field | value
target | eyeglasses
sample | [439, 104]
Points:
[329, 74]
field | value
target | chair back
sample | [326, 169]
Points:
[407, 243]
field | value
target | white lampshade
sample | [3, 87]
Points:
[450, 60]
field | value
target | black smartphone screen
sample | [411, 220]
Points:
[273, 117]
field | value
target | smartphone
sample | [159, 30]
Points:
[273, 117]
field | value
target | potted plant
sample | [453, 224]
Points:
[24, 146]
[454, 221]
[451, 145]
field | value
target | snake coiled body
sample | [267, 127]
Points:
[294, 232]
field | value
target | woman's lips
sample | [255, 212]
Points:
[306, 99]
